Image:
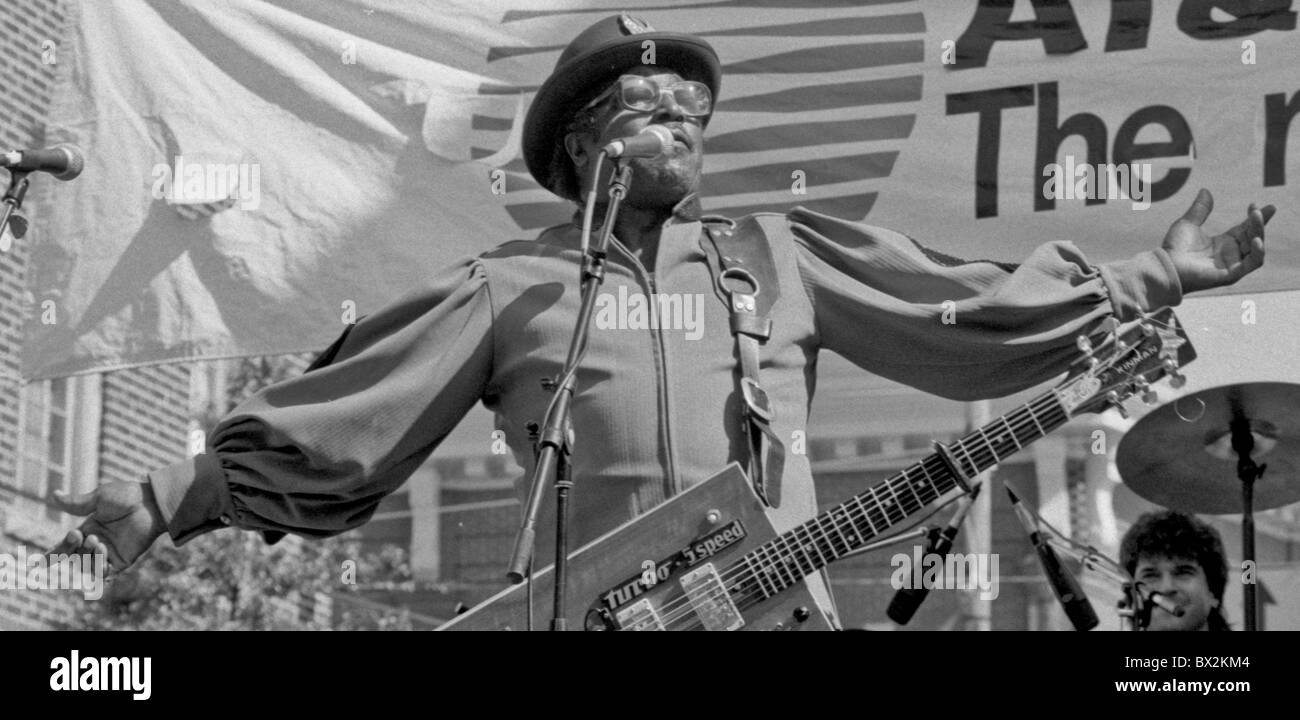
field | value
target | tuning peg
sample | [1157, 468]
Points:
[1113, 397]
[1147, 328]
[1111, 325]
[1084, 344]
[1176, 379]
[1148, 395]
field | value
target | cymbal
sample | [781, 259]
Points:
[1180, 455]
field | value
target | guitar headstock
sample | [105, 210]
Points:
[1128, 362]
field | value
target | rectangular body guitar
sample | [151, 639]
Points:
[690, 539]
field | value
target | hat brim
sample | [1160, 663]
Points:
[690, 57]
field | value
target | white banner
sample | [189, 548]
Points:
[260, 174]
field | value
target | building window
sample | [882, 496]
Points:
[57, 443]
[47, 450]
[31, 470]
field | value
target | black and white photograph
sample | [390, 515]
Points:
[863, 316]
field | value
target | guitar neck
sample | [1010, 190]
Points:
[789, 557]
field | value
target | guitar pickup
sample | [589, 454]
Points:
[710, 600]
[640, 615]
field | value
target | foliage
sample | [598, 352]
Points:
[235, 581]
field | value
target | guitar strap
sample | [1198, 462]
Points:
[740, 260]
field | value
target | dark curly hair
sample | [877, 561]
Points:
[1171, 534]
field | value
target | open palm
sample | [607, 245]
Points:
[122, 521]
[1205, 261]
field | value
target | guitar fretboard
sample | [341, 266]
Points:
[788, 558]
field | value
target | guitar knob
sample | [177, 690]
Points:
[598, 621]
[801, 614]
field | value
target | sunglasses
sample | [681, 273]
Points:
[641, 94]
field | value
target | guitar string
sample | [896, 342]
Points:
[672, 611]
[740, 568]
[749, 586]
[743, 578]
[722, 590]
[757, 594]
[983, 453]
[735, 579]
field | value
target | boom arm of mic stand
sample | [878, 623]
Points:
[917, 532]
[1088, 557]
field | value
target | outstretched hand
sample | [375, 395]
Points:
[122, 521]
[1205, 262]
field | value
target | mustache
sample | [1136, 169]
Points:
[680, 132]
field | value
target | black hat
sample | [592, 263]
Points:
[588, 65]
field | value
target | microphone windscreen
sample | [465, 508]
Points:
[76, 161]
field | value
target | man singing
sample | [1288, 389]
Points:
[1181, 558]
[657, 409]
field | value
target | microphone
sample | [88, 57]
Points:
[1164, 603]
[1073, 601]
[652, 141]
[907, 600]
[63, 161]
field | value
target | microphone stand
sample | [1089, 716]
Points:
[556, 438]
[1134, 610]
[13, 199]
[920, 531]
